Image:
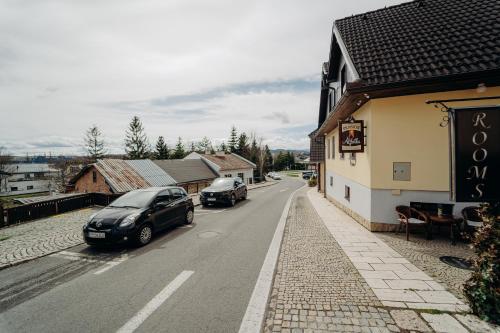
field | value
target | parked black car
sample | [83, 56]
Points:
[136, 215]
[224, 190]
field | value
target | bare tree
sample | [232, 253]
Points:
[94, 143]
[5, 160]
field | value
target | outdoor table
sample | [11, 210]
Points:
[450, 220]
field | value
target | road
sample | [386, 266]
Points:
[195, 278]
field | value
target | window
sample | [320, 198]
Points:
[13, 188]
[331, 181]
[328, 148]
[30, 187]
[342, 156]
[228, 175]
[94, 176]
[241, 175]
[333, 147]
[250, 180]
[343, 80]
[163, 197]
[347, 194]
[331, 99]
[177, 193]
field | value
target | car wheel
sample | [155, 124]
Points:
[189, 217]
[144, 235]
[232, 201]
[244, 197]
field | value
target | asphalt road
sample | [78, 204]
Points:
[195, 278]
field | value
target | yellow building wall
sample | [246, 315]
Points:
[403, 129]
[360, 172]
[406, 129]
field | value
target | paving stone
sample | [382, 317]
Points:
[38, 238]
[409, 320]
[444, 323]
[407, 284]
[440, 296]
[475, 324]
[397, 295]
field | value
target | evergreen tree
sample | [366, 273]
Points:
[161, 152]
[254, 151]
[243, 148]
[179, 151]
[268, 163]
[223, 147]
[94, 143]
[232, 144]
[136, 141]
[192, 147]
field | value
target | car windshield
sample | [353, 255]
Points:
[134, 199]
[223, 183]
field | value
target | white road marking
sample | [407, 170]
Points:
[285, 189]
[254, 316]
[107, 264]
[143, 314]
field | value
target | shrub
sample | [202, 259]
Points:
[313, 182]
[483, 288]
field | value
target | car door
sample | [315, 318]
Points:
[179, 204]
[163, 210]
[238, 189]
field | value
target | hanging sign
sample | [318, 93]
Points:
[475, 163]
[352, 136]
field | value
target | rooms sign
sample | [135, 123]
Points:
[476, 154]
[352, 136]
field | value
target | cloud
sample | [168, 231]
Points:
[65, 65]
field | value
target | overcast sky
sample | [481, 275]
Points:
[186, 68]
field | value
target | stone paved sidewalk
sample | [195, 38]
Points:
[335, 277]
[38, 238]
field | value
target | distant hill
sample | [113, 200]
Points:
[295, 151]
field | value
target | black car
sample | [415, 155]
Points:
[224, 190]
[136, 215]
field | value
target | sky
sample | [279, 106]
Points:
[187, 68]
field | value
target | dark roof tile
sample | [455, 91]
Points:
[414, 41]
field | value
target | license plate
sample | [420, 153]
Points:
[97, 234]
[211, 199]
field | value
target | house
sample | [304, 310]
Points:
[227, 165]
[119, 176]
[26, 178]
[192, 174]
[383, 67]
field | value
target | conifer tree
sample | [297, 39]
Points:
[136, 141]
[161, 152]
[243, 148]
[94, 143]
[232, 144]
[179, 151]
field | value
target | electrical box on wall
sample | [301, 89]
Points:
[401, 171]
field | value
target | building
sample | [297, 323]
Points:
[383, 67]
[119, 176]
[192, 174]
[227, 165]
[26, 178]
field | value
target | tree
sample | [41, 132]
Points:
[243, 148]
[193, 148]
[205, 145]
[5, 160]
[222, 147]
[268, 163]
[232, 144]
[94, 143]
[136, 141]
[161, 152]
[254, 151]
[179, 151]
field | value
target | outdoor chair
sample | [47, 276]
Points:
[472, 219]
[408, 215]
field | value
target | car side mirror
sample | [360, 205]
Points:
[160, 205]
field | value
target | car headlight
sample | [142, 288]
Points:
[129, 220]
[91, 217]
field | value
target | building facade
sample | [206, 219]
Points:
[27, 178]
[387, 84]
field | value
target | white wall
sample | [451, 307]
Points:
[247, 174]
[360, 200]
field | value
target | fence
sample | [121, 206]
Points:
[52, 207]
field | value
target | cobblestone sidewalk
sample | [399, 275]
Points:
[320, 288]
[34, 239]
